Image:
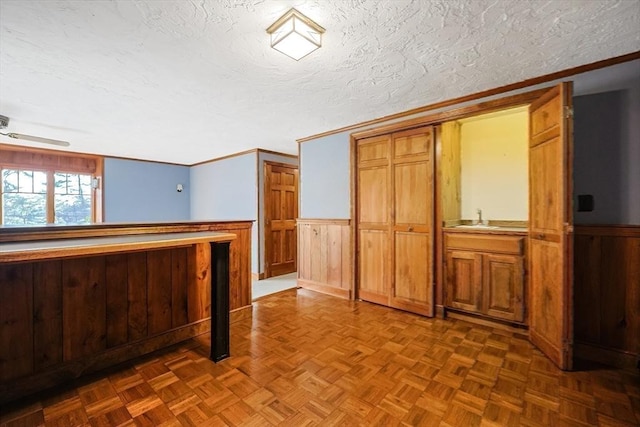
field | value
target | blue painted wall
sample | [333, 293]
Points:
[227, 190]
[606, 155]
[324, 177]
[145, 191]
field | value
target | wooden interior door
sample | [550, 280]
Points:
[373, 218]
[281, 211]
[412, 229]
[551, 225]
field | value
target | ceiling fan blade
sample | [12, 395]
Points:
[37, 139]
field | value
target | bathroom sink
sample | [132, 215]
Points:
[479, 226]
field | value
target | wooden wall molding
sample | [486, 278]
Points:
[217, 159]
[483, 94]
[615, 230]
[607, 356]
[454, 114]
[242, 153]
[27, 157]
[324, 256]
[277, 153]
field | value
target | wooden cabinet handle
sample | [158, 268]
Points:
[410, 228]
[542, 236]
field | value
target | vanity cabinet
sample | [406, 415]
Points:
[485, 274]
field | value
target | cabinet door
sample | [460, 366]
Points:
[412, 286]
[464, 281]
[503, 286]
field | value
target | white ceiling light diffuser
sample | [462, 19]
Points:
[295, 35]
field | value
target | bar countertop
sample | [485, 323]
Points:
[63, 248]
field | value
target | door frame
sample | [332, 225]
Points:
[435, 120]
[266, 226]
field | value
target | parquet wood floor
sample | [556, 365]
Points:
[309, 359]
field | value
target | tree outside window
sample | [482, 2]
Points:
[72, 198]
[26, 196]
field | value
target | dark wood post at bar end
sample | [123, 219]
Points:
[219, 301]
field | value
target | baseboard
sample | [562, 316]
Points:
[257, 276]
[324, 288]
[274, 293]
[606, 356]
[505, 326]
[241, 313]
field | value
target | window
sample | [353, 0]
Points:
[72, 200]
[40, 189]
[24, 197]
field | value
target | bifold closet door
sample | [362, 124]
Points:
[374, 219]
[551, 225]
[412, 229]
[395, 220]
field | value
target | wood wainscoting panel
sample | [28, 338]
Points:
[47, 314]
[159, 291]
[324, 256]
[60, 319]
[117, 302]
[16, 320]
[239, 251]
[607, 293]
[84, 307]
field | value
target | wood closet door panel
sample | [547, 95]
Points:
[373, 200]
[374, 219]
[373, 150]
[412, 269]
[412, 286]
[373, 263]
[551, 225]
[413, 195]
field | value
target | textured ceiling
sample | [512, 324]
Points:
[188, 80]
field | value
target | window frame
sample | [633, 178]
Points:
[52, 162]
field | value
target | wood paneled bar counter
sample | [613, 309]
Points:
[76, 299]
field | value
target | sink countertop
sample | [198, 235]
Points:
[499, 230]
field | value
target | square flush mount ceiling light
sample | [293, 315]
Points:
[295, 35]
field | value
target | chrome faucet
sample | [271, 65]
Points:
[479, 212]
